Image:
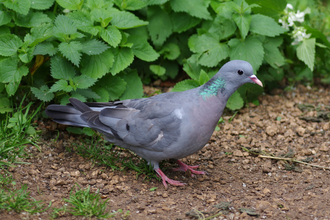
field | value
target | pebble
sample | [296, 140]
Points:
[300, 131]
[271, 130]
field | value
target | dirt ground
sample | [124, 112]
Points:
[240, 184]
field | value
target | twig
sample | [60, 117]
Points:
[293, 160]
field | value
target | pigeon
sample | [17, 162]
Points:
[171, 125]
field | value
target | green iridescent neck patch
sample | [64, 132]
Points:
[212, 87]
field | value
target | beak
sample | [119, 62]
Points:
[256, 80]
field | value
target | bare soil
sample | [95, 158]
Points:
[293, 124]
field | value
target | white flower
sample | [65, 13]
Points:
[299, 34]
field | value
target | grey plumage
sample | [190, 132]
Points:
[166, 126]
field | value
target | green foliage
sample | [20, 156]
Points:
[101, 50]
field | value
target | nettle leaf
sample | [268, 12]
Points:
[32, 19]
[273, 55]
[5, 17]
[83, 81]
[20, 6]
[131, 4]
[102, 93]
[111, 35]
[183, 21]
[41, 33]
[223, 27]
[195, 8]
[61, 85]
[83, 21]
[71, 51]
[43, 93]
[93, 47]
[78, 96]
[264, 25]
[185, 85]
[235, 101]
[306, 52]
[192, 68]
[45, 48]
[157, 2]
[10, 72]
[211, 50]
[142, 49]
[97, 66]
[41, 4]
[61, 68]
[9, 44]
[114, 85]
[27, 55]
[134, 88]
[203, 77]
[102, 15]
[160, 25]
[64, 26]
[170, 51]
[88, 93]
[272, 8]
[70, 4]
[158, 70]
[92, 4]
[192, 43]
[123, 57]
[250, 50]
[243, 23]
[126, 20]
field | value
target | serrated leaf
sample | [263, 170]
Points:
[243, 23]
[273, 55]
[123, 57]
[45, 48]
[235, 101]
[278, 73]
[223, 27]
[134, 88]
[160, 25]
[12, 87]
[75, 130]
[64, 26]
[203, 77]
[306, 52]
[70, 4]
[97, 66]
[20, 6]
[93, 47]
[5, 105]
[158, 70]
[264, 25]
[195, 8]
[61, 85]
[10, 72]
[131, 4]
[32, 19]
[192, 68]
[250, 50]
[83, 81]
[27, 55]
[126, 20]
[157, 2]
[88, 131]
[71, 51]
[114, 85]
[41, 4]
[88, 93]
[9, 44]
[41, 33]
[102, 15]
[43, 93]
[83, 21]
[170, 51]
[183, 21]
[272, 8]
[111, 35]
[78, 96]
[185, 85]
[61, 68]
[103, 94]
[142, 49]
[5, 17]
[92, 4]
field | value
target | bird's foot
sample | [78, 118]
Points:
[184, 167]
[166, 179]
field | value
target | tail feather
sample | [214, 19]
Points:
[67, 115]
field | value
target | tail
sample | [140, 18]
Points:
[69, 114]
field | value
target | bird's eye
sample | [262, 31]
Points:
[240, 72]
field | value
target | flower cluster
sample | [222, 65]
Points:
[289, 19]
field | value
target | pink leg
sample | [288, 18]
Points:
[184, 167]
[166, 179]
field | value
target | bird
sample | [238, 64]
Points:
[170, 125]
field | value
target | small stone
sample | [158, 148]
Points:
[104, 176]
[47, 175]
[266, 167]
[300, 131]
[151, 211]
[95, 173]
[238, 153]
[266, 191]
[263, 205]
[165, 195]
[326, 126]
[75, 173]
[60, 183]
[165, 208]
[324, 147]
[271, 130]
